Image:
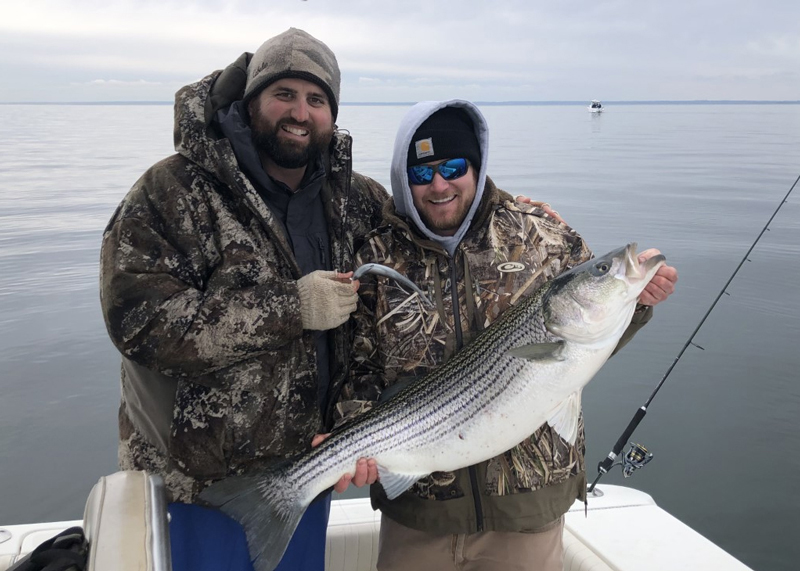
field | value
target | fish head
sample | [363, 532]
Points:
[594, 301]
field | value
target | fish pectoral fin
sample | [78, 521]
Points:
[538, 351]
[395, 484]
[564, 418]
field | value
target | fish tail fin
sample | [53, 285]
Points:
[265, 507]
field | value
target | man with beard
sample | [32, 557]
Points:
[219, 287]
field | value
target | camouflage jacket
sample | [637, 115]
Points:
[509, 251]
[199, 294]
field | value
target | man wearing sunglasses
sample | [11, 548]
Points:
[476, 250]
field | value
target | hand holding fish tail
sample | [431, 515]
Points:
[663, 283]
[366, 472]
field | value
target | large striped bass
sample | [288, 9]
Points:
[529, 367]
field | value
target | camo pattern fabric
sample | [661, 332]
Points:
[510, 250]
[198, 290]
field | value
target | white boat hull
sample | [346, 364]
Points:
[622, 527]
[624, 531]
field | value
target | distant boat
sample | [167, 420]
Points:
[595, 106]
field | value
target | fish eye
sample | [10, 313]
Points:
[603, 267]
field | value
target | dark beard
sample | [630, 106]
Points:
[286, 154]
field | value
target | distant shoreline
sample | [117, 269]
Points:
[485, 103]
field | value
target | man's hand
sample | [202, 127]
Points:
[543, 205]
[366, 470]
[326, 299]
[663, 283]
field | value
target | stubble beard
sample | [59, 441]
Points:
[450, 224]
[287, 154]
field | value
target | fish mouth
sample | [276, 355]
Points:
[635, 270]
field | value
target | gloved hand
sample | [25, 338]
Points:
[325, 302]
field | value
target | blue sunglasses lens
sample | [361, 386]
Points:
[450, 170]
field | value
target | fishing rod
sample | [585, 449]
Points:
[638, 455]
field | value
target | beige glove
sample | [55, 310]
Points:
[325, 303]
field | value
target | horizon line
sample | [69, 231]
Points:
[488, 103]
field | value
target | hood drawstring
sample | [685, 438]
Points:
[433, 269]
[470, 289]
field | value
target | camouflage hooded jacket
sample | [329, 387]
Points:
[199, 294]
[509, 251]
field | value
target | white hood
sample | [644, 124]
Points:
[399, 174]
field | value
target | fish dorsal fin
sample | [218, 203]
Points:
[395, 484]
[538, 351]
[564, 418]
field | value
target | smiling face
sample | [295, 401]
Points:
[443, 204]
[291, 123]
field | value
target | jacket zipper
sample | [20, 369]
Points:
[348, 174]
[338, 378]
[322, 254]
[473, 472]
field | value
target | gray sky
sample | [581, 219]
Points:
[484, 50]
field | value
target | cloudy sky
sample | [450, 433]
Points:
[485, 50]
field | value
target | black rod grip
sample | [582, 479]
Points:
[609, 460]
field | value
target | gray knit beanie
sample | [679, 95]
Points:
[294, 53]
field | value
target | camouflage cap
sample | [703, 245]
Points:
[294, 53]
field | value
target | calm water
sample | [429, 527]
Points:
[697, 181]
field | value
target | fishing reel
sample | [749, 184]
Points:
[635, 458]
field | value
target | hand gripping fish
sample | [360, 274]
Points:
[529, 367]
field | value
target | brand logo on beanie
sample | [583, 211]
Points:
[424, 148]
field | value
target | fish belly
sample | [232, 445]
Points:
[518, 411]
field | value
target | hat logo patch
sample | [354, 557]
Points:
[510, 267]
[424, 148]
